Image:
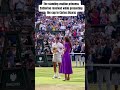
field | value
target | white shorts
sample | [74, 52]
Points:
[57, 58]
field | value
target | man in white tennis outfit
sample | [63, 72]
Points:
[57, 50]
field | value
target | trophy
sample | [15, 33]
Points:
[54, 50]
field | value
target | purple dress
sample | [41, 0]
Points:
[66, 66]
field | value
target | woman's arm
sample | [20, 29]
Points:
[64, 50]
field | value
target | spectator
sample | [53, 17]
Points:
[109, 30]
[77, 50]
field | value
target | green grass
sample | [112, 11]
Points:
[43, 76]
[43, 79]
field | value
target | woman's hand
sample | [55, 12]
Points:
[63, 52]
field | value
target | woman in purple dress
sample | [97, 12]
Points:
[66, 66]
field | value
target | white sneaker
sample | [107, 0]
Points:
[55, 76]
[59, 76]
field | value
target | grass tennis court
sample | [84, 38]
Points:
[43, 79]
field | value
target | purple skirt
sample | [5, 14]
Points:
[66, 65]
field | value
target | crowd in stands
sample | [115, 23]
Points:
[16, 16]
[49, 27]
[99, 32]
[102, 11]
[103, 40]
[16, 12]
[1, 45]
[73, 27]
